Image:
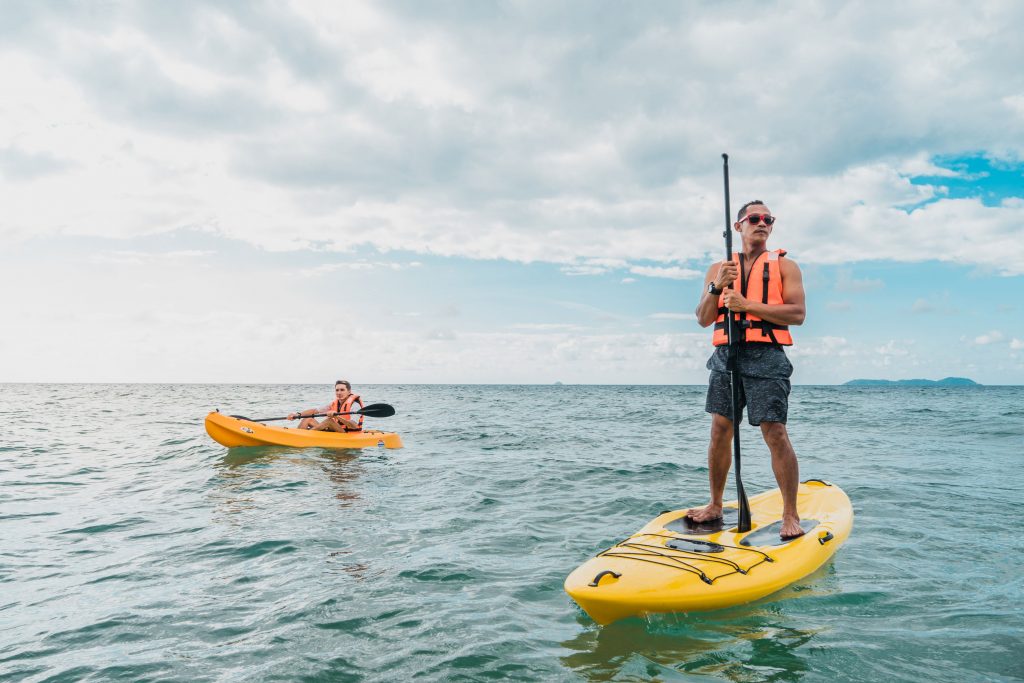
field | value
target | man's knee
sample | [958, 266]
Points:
[775, 434]
[721, 429]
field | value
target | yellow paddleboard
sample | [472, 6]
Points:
[675, 565]
[234, 432]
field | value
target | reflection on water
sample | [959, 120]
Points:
[251, 479]
[755, 642]
[263, 480]
[343, 470]
[343, 560]
[235, 458]
[735, 647]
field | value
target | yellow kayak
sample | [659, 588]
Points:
[676, 565]
[233, 432]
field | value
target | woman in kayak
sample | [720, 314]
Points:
[344, 402]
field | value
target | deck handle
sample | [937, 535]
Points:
[597, 579]
[826, 538]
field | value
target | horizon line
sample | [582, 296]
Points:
[498, 384]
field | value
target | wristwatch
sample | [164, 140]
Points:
[714, 290]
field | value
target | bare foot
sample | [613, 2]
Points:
[705, 514]
[790, 528]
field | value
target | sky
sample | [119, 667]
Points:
[502, 192]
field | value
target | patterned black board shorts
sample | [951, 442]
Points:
[764, 384]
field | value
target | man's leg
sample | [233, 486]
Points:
[329, 425]
[719, 462]
[787, 474]
[308, 423]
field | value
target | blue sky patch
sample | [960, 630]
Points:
[978, 176]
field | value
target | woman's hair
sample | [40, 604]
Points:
[345, 382]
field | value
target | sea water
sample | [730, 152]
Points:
[133, 547]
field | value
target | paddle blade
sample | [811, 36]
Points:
[377, 410]
[743, 523]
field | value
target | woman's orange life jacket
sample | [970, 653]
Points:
[346, 406]
[762, 284]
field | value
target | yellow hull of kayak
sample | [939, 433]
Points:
[234, 432]
[645, 574]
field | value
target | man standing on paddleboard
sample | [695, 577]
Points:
[769, 299]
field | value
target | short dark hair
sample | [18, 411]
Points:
[743, 209]
[345, 382]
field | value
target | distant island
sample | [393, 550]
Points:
[947, 382]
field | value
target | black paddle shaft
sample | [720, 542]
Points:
[372, 410]
[743, 524]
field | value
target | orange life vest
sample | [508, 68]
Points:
[346, 406]
[764, 286]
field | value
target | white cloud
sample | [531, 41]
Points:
[594, 266]
[1015, 103]
[940, 304]
[827, 347]
[921, 165]
[393, 60]
[177, 316]
[673, 316]
[584, 270]
[189, 253]
[893, 348]
[139, 258]
[894, 354]
[547, 327]
[922, 306]
[498, 132]
[1016, 344]
[362, 264]
[409, 130]
[989, 338]
[671, 272]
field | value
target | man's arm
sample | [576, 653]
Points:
[791, 311]
[722, 274]
[308, 412]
